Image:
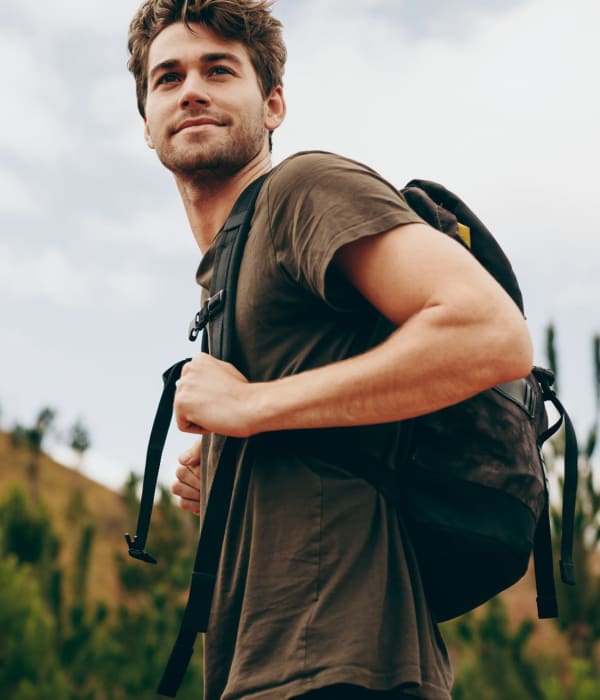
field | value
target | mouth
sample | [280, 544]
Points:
[196, 124]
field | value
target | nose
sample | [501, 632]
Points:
[194, 91]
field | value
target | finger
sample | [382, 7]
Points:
[186, 426]
[198, 360]
[189, 476]
[193, 456]
[190, 505]
[185, 491]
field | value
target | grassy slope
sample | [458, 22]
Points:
[57, 487]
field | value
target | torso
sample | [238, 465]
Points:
[318, 584]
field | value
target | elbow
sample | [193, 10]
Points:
[514, 355]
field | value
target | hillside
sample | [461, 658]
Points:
[70, 496]
[73, 500]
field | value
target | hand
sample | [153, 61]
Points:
[187, 486]
[213, 397]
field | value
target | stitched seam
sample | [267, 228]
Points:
[318, 576]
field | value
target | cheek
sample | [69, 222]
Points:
[148, 132]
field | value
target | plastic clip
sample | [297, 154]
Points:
[210, 308]
[136, 551]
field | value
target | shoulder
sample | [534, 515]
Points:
[319, 180]
[318, 167]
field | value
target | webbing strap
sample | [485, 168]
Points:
[567, 570]
[544, 575]
[208, 553]
[569, 503]
[228, 258]
[156, 443]
[218, 339]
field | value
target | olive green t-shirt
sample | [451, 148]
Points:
[317, 583]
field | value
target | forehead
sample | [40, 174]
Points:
[179, 42]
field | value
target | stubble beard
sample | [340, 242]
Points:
[207, 155]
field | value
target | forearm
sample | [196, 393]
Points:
[458, 334]
[432, 361]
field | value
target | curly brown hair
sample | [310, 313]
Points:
[247, 21]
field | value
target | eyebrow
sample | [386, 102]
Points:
[163, 65]
[171, 63]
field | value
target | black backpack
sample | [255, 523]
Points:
[470, 487]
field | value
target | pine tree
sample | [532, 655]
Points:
[79, 441]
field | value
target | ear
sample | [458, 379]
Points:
[147, 136]
[275, 109]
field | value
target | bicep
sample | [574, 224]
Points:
[413, 267]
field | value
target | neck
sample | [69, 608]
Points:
[209, 196]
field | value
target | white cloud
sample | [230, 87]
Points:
[65, 280]
[31, 119]
[112, 104]
[68, 16]
[47, 274]
[162, 232]
[15, 196]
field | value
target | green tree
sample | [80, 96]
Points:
[79, 441]
[493, 661]
[147, 626]
[33, 438]
[40, 429]
[27, 530]
[29, 668]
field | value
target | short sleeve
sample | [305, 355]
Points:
[317, 203]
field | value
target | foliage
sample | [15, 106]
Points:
[34, 435]
[580, 605]
[26, 529]
[79, 437]
[56, 642]
[583, 683]
[493, 662]
[30, 668]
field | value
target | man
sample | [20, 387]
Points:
[351, 315]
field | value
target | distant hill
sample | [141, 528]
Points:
[70, 496]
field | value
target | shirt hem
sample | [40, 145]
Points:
[408, 680]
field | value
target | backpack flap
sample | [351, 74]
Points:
[443, 210]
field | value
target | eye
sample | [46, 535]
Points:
[167, 78]
[220, 70]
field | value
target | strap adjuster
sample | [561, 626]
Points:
[138, 552]
[209, 310]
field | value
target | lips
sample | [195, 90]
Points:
[198, 121]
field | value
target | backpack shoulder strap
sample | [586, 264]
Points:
[217, 312]
[156, 443]
[224, 280]
[217, 319]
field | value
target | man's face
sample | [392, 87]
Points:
[204, 109]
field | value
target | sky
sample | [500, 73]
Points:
[498, 100]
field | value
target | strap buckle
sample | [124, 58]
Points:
[209, 310]
[138, 552]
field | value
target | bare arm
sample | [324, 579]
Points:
[458, 333]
